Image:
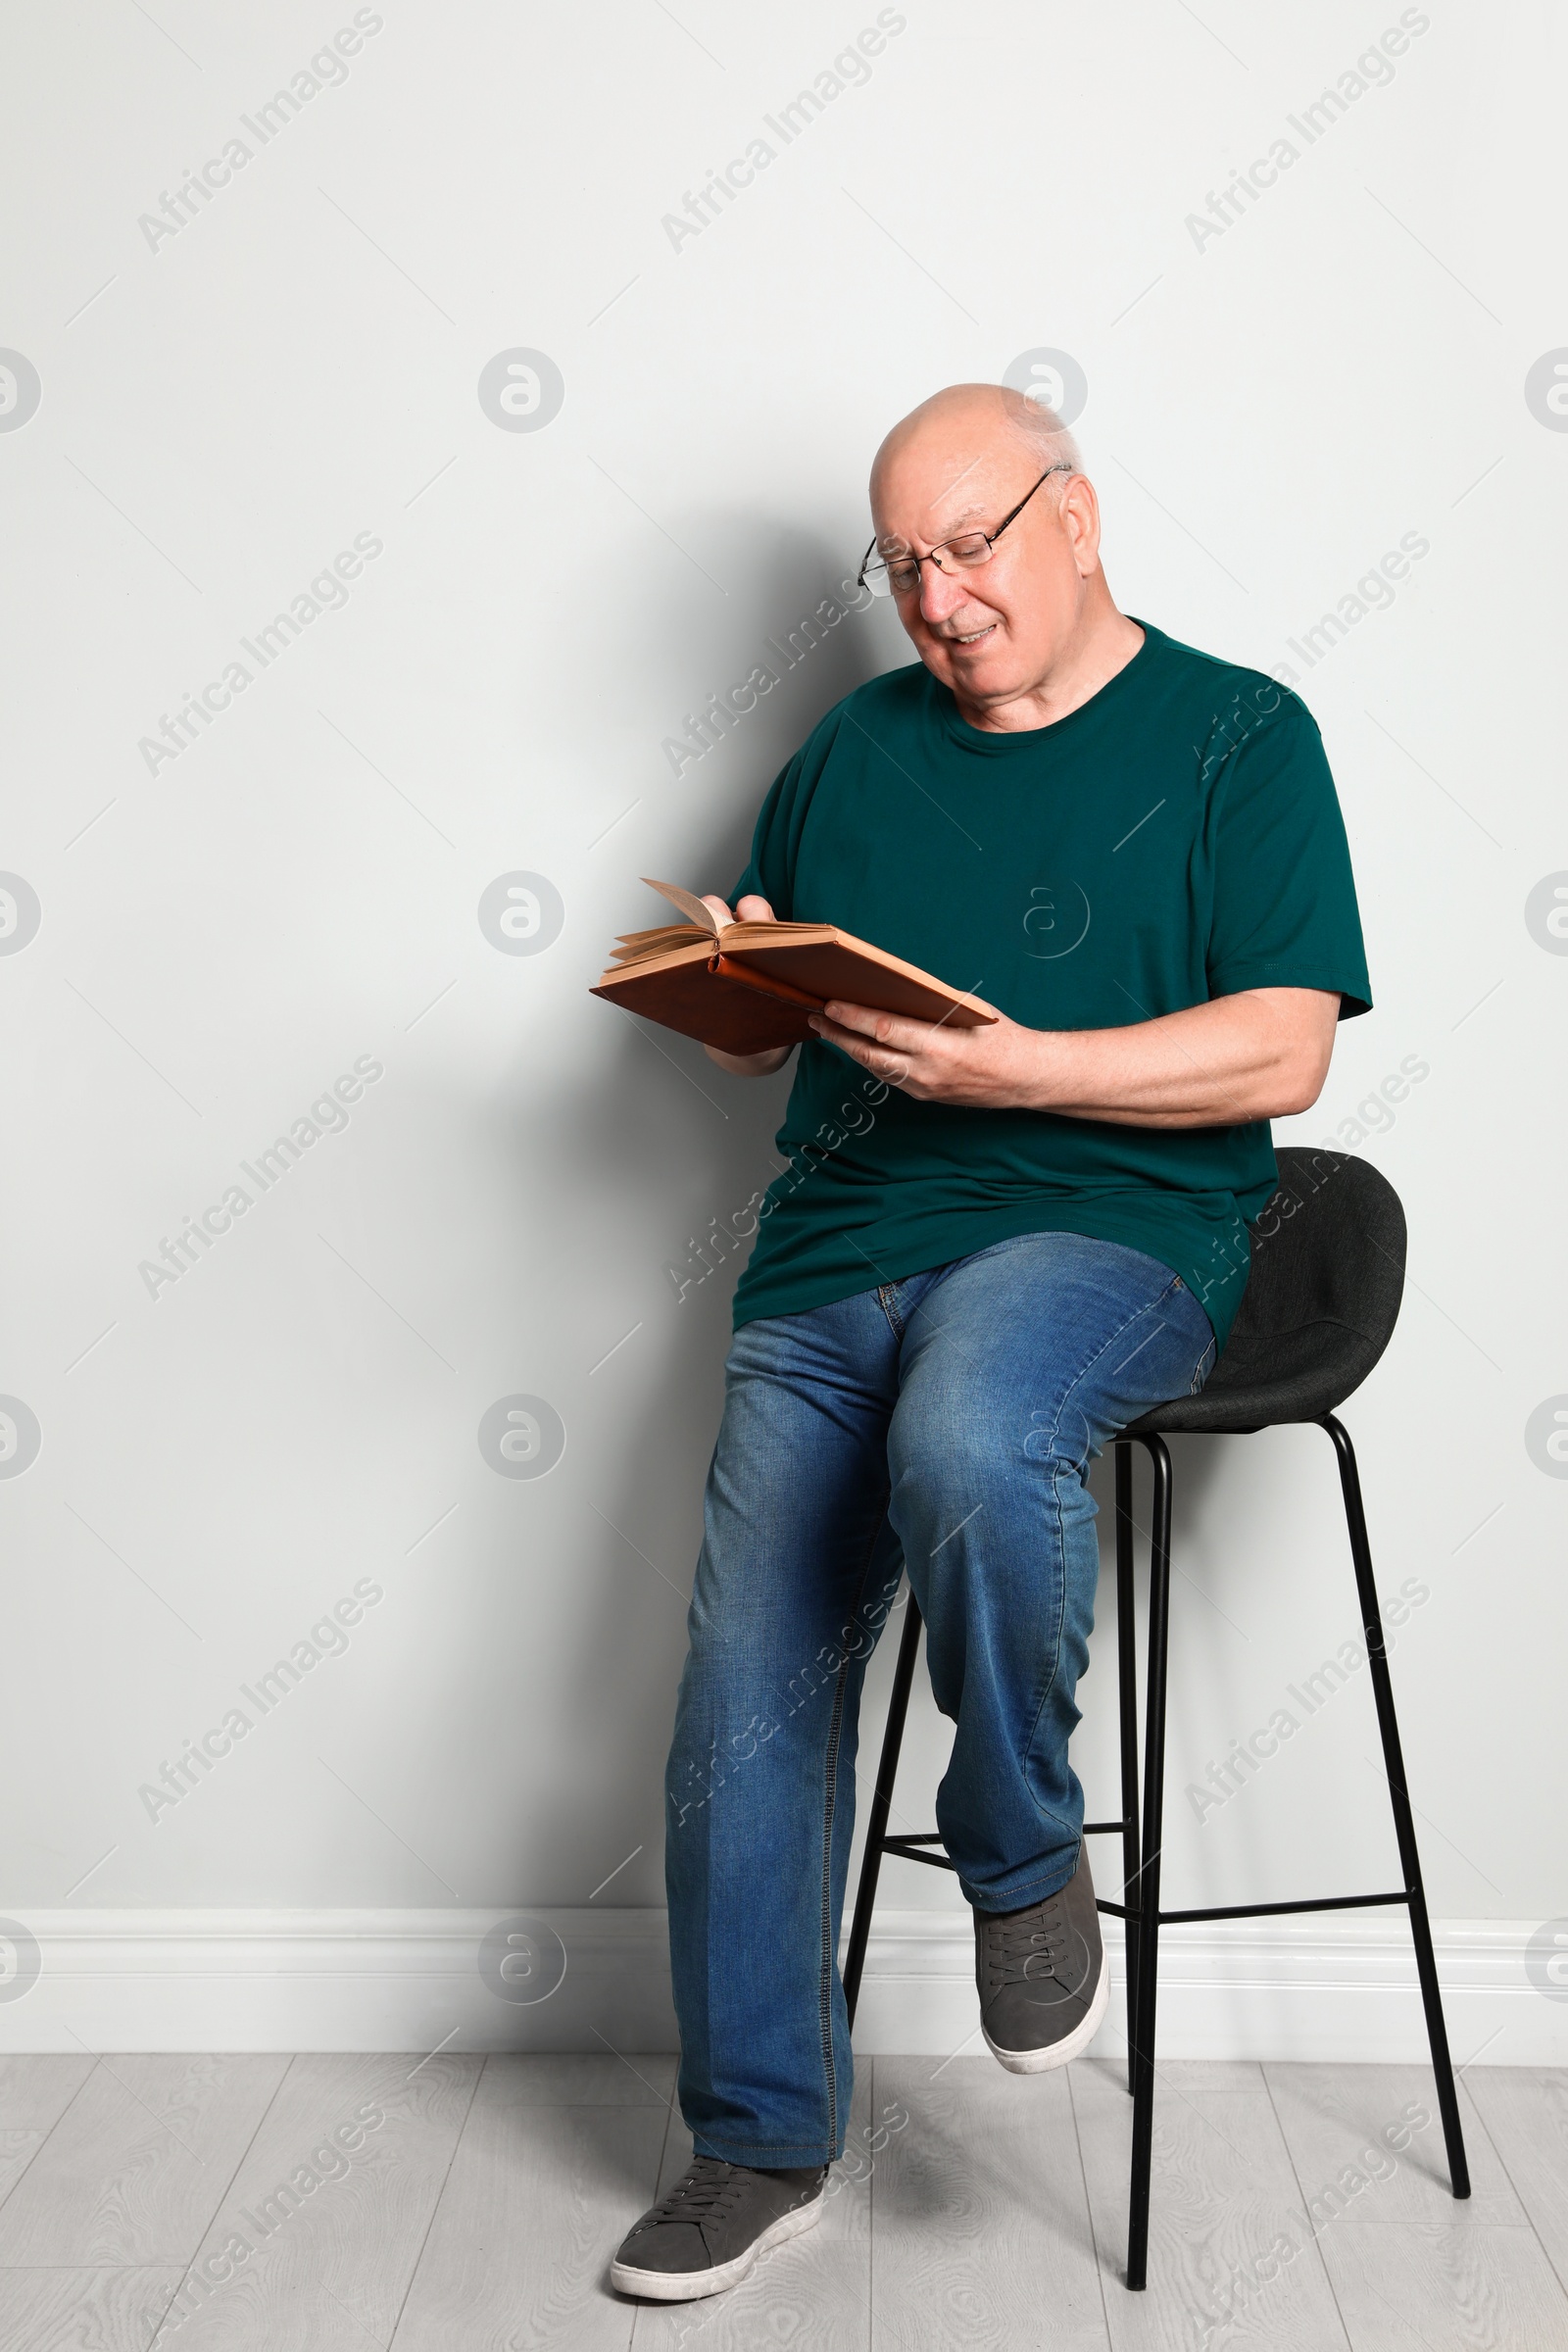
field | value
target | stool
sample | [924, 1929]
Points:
[1320, 1305]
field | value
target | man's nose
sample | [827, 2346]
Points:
[941, 593]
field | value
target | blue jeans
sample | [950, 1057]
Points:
[944, 1423]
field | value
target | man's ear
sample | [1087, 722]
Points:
[1079, 520]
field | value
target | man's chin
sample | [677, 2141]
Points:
[980, 674]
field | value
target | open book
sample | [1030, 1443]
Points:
[747, 987]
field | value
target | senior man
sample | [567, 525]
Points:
[992, 1248]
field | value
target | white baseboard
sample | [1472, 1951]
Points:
[172, 1979]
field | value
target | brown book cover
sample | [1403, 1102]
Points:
[748, 987]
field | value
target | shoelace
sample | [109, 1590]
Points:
[708, 2192]
[1027, 1949]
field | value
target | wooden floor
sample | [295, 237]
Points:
[471, 2205]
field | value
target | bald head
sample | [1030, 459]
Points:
[965, 418]
[1033, 619]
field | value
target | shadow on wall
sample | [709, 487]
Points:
[790, 641]
[771, 635]
[638, 1147]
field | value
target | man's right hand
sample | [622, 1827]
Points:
[747, 1065]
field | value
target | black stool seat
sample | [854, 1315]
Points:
[1320, 1303]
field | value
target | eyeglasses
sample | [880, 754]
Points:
[896, 576]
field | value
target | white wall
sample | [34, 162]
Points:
[225, 408]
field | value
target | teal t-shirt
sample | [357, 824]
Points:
[1176, 837]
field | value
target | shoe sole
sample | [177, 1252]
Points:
[684, 2286]
[1071, 2045]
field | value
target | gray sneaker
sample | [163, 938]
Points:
[1042, 1976]
[712, 2226]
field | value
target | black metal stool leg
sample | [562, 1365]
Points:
[1398, 1797]
[1148, 1939]
[1127, 1716]
[881, 1803]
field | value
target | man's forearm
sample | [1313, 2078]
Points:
[1236, 1059]
[1256, 1056]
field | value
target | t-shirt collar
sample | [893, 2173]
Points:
[992, 743]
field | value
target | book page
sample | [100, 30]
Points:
[691, 908]
[632, 947]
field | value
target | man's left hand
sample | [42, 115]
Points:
[999, 1067]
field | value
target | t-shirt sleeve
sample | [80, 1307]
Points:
[1285, 913]
[767, 872]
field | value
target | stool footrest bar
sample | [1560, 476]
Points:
[910, 1852]
[1321, 1902]
[1091, 1829]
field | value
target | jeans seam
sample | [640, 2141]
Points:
[829, 1807]
[884, 1298]
[825, 1983]
[1062, 1611]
